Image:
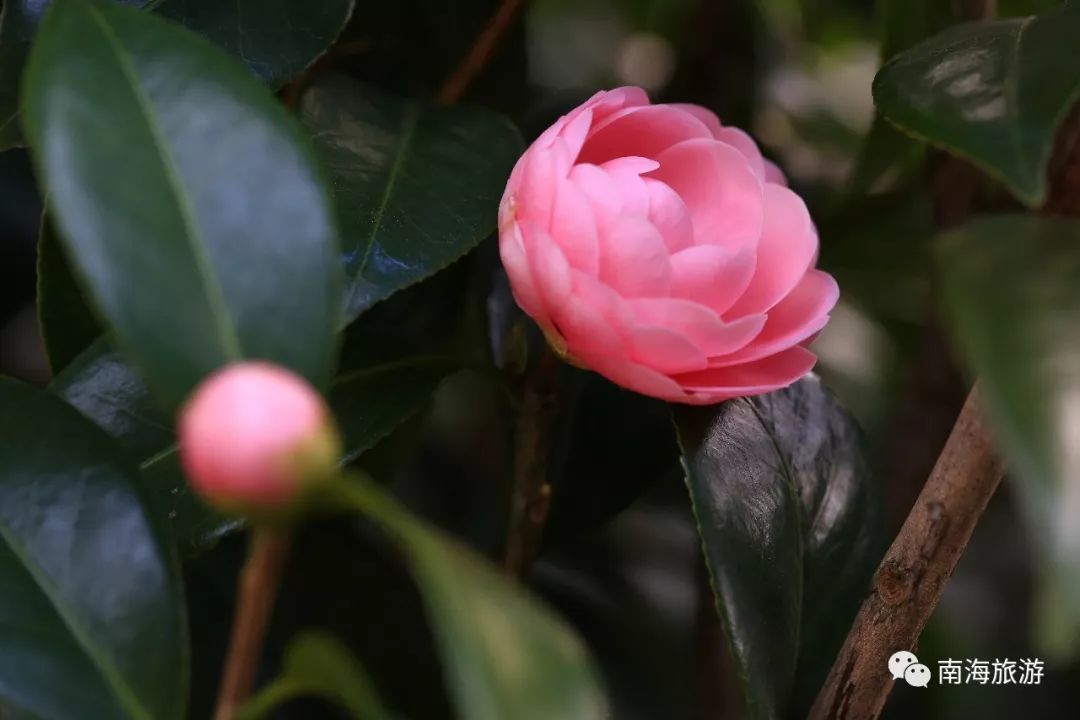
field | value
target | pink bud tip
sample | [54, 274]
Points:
[254, 435]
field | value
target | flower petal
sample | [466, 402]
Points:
[625, 174]
[719, 188]
[573, 226]
[550, 270]
[633, 258]
[516, 262]
[601, 192]
[669, 215]
[773, 174]
[799, 316]
[697, 323]
[711, 275]
[645, 131]
[731, 135]
[585, 325]
[535, 196]
[788, 247]
[665, 350]
[762, 376]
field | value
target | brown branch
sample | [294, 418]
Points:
[910, 579]
[259, 583]
[481, 52]
[531, 496]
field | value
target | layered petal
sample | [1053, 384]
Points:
[660, 249]
[722, 193]
[645, 131]
[697, 323]
[754, 378]
[634, 259]
[711, 275]
[787, 249]
[574, 227]
[793, 320]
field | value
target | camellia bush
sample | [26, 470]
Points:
[391, 381]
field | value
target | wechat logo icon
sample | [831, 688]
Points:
[904, 664]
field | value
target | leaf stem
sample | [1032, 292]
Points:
[259, 581]
[487, 42]
[531, 495]
[909, 582]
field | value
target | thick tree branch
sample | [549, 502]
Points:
[910, 579]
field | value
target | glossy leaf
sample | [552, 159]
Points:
[92, 614]
[275, 40]
[1011, 286]
[219, 221]
[504, 655]
[272, 47]
[68, 325]
[104, 388]
[416, 186]
[994, 93]
[371, 397]
[788, 517]
[318, 665]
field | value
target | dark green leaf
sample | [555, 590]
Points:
[788, 517]
[1011, 286]
[375, 393]
[504, 655]
[994, 93]
[417, 186]
[216, 241]
[370, 402]
[274, 40]
[68, 325]
[104, 388]
[92, 614]
[317, 664]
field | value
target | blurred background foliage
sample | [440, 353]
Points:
[621, 558]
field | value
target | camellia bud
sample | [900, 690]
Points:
[254, 437]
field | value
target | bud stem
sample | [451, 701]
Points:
[259, 581]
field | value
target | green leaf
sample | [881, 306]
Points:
[318, 665]
[417, 186]
[789, 520]
[274, 40]
[383, 383]
[1011, 286]
[504, 655]
[216, 242]
[994, 93]
[92, 614]
[104, 388]
[68, 325]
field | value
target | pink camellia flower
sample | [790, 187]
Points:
[254, 435]
[656, 247]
